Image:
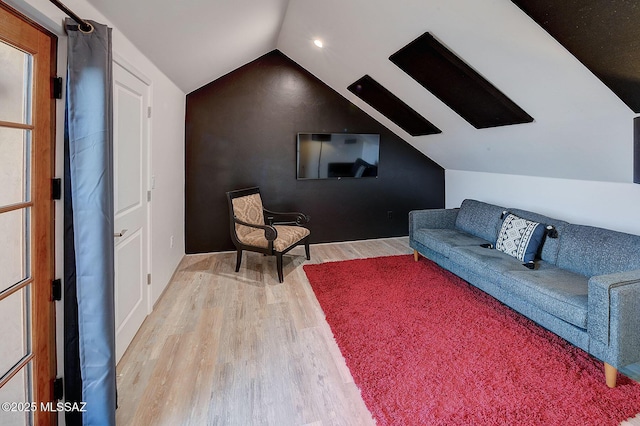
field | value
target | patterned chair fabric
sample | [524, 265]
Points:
[248, 209]
[246, 206]
[287, 235]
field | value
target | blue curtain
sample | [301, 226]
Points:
[90, 374]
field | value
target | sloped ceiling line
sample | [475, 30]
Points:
[604, 36]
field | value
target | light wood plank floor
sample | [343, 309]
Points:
[226, 348]
[242, 349]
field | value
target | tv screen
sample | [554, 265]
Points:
[338, 155]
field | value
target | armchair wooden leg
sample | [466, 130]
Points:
[306, 250]
[416, 255]
[279, 266]
[610, 374]
[238, 260]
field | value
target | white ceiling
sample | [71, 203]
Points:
[581, 129]
[196, 41]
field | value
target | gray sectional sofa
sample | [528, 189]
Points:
[584, 284]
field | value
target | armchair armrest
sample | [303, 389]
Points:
[270, 233]
[293, 218]
[614, 317]
[432, 218]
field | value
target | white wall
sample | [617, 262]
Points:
[604, 204]
[166, 139]
[167, 204]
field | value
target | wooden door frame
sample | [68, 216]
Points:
[31, 37]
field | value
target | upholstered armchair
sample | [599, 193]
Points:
[254, 228]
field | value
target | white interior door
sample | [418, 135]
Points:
[130, 124]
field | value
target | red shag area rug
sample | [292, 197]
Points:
[426, 348]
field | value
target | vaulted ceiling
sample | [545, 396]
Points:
[580, 130]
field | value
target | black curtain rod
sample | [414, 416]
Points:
[84, 25]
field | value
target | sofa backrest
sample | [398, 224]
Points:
[596, 251]
[550, 246]
[480, 219]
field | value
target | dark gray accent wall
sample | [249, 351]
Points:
[241, 131]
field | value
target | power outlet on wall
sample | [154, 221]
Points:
[171, 241]
[390, 215]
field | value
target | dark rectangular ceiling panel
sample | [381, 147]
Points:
[392, 107]
[456, 84]
[603, 35]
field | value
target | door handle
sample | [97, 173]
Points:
[120, 234]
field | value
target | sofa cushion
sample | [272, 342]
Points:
[485, 261]
[520, 238]
[480, 219]
[442, 240]
[596, 251]
[559, 292]
[550, 245]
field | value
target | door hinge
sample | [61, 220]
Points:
[148, 279]
[57, 87]
[148, 112]
[148, 195]
[56, 289]
[56, 188]
[58, 389]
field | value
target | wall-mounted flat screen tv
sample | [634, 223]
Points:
[338, 155]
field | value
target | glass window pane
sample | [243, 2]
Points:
[15, 85]
[14, 330]
[15, 156]
[14, 247]
[17, 390]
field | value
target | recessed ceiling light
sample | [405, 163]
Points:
[318, 42]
